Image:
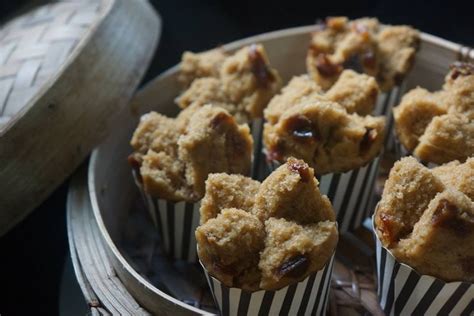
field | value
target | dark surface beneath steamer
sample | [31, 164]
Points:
[33, 254]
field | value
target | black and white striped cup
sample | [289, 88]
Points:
[351, 193]
[403, 291]
[176, 223]
[256, 129]
[308, 297]
[386, 101]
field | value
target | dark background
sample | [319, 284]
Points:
[33, 254]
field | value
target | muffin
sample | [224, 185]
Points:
[426, 218]
[382, 51]
[438, 127]
[266, 236]
[325, 129]
[199, 65]
[357, 93]
[173, 157]
[331, 131]
[241, 83]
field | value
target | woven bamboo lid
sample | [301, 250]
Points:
[66, 69]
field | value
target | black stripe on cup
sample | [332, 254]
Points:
[403, 291]
[176, 223]
[351, 193]
[308, 297]
[385, 103]
[256, 129]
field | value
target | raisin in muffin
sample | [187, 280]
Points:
[426, 218]
[324, 129]
[357, 93]
[174, 156]
[384, 52]
[438, 126]
[265, 235]
[241, 83]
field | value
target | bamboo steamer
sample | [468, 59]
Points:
[99, 202]
[66, 70]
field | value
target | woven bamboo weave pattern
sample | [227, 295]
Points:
[34, 46]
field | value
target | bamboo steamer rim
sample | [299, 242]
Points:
[148, 90]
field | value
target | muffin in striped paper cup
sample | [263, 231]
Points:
[268, 248]
[326, 131]
[424, 230]
[438, 127]
[172, 160]
[242, 83]
[386, 52]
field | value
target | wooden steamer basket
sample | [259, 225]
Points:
[101, 200]
[66, 69]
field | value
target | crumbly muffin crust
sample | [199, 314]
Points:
[281, 231]
[439, 127]
[325, 136]
[385, 52]
[199, 65]
[357, 93]
[243, 85]
[175, 156]
[426, 218]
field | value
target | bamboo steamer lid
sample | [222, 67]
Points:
[66, 70]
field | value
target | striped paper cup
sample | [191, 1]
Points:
[308, 297]
[403, 291]
[256, 128]
[175, 222]
[385, 103]
[351, 193]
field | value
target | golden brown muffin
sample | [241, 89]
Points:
[408, 190]
[426, 218]
[213, 142]
[227, 191]
[415, 112]
[298, 233]
[292, 252]
[385, 52]
[175, 156]
[244, 85]
[229, 246]
[448, 137]
[397, 46]
[460, 84]
[325, 136]
[299, 88]
[292, 192]
[198, 65]
[441, 243]
[439, 127]
[357, 93]
[458, 176]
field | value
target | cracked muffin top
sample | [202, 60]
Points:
[266, 235]
[382, 51]
[357, 93]
[426, 218]
[241, 83]
[174, 156]
[199, 65]
[324, 129]
[438, 126]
